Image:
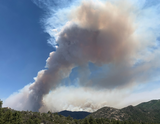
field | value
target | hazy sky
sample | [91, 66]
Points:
[85, 75]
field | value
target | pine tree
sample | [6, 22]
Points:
[37, 121]
[86, 121]
[1, 116]
[30, 121]
[17, 118]
[92, 121]
[8, 117]
[1, 103]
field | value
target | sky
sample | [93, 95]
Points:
[78, 55]
[23, 46]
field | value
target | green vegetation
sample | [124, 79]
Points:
[9, 116]
[1, 102]
[106, 115]
[144, 112]
[151, 105]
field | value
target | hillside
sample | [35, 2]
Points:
[74, 114]
[107, 112]
[144, 112]
[132, 113]
[151, 105]
[10, 116]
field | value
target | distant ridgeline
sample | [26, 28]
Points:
[74, 115]
[144, 113]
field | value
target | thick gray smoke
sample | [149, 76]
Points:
[103, 34]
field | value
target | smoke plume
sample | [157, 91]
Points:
[106, 35]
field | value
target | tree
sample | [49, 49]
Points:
[49, 112]
[17, 118]
[1, 116]
[69, 118]
[91, 120]
[30, 121]
[86, 121]
[1, 103]
[76, 122]
[99, 121]
[8, 117]
[37, 121]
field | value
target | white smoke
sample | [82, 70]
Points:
[83, 99]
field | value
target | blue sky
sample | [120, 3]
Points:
[23, 44]
[28, 33]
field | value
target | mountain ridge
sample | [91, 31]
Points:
[143, 112]
[150, 105]
[74, 114]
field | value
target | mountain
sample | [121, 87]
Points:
[151, 105]
[74, 114]
[10, 116]
[107, 112]
[144, 112]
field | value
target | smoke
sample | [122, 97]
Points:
[82, 99]
[109, 35]
[90, 100]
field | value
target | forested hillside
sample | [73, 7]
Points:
[151, 105]
[9, 116]
[129, 115]
[144, 112]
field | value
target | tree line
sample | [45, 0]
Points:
[9, 116]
